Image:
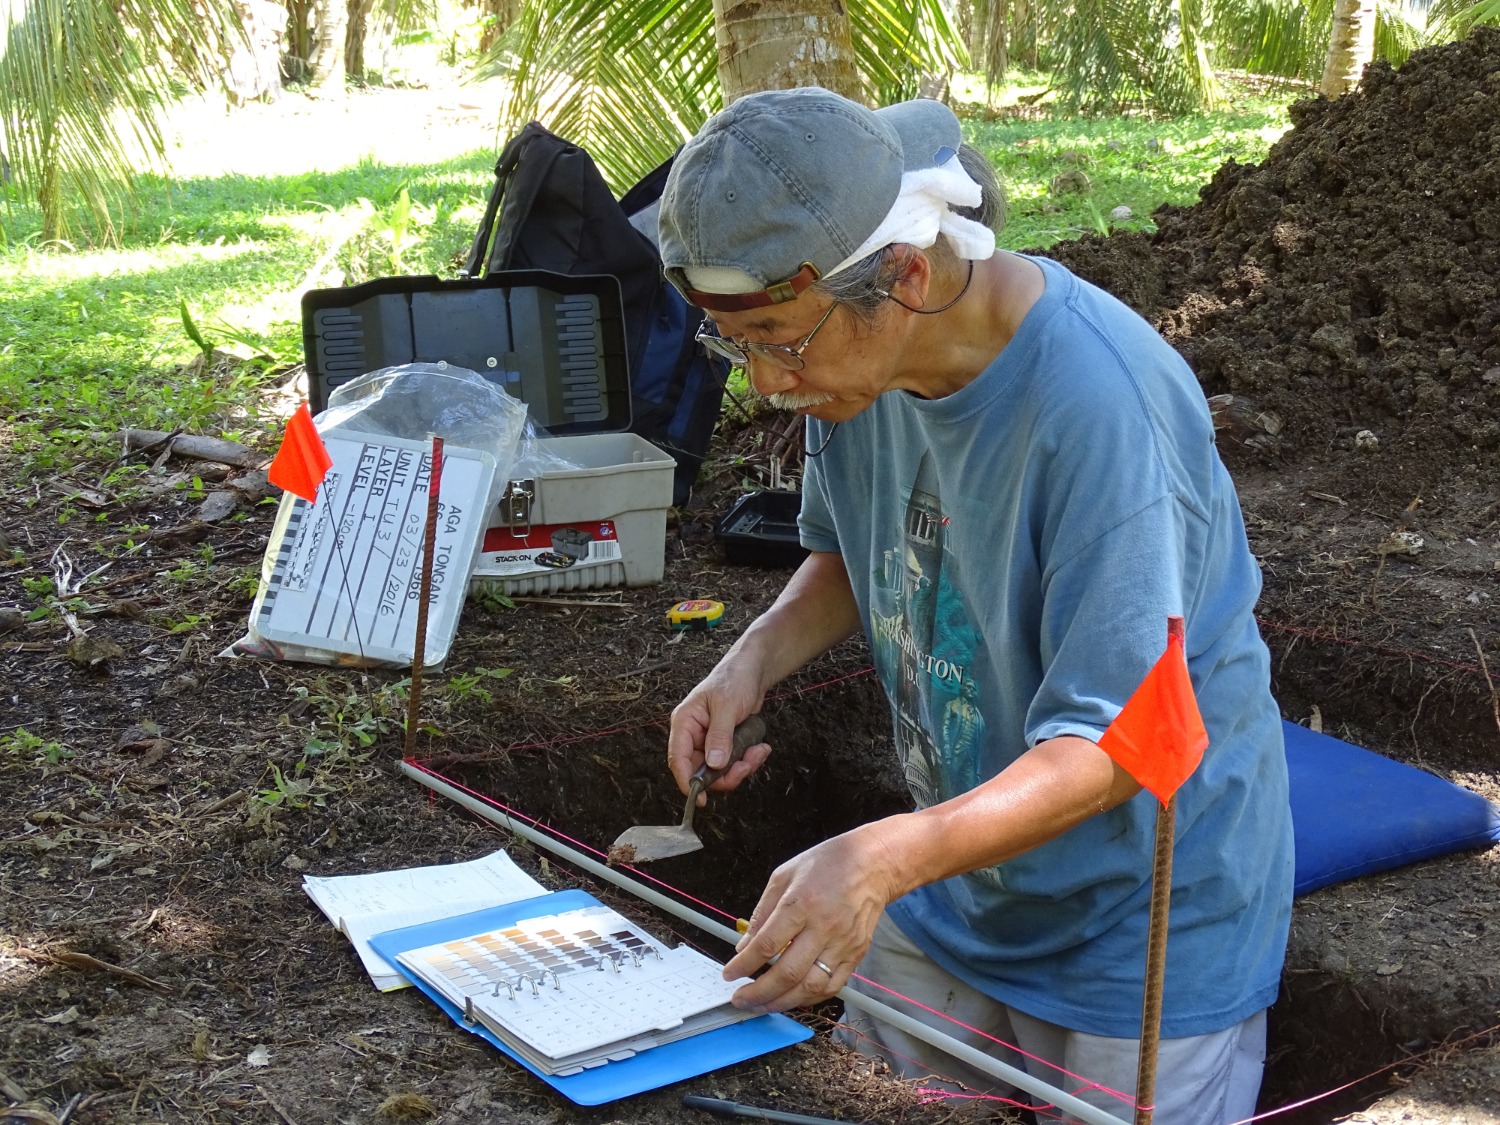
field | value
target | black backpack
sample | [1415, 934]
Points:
[550, 209]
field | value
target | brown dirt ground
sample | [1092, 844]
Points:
[1350, 283]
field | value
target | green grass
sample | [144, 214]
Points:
[93, 338]
[1139, 162]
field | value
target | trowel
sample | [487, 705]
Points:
[645, 843]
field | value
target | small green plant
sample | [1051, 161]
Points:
[1100, 223]
[396, 223]
[246, 583]
[39, 588]
[188, 572]
[186, 623]
[348, 720]
[194, 333]
[490, 599]
[295, 792]
[44, 592]
[474, 685]
[33, 749]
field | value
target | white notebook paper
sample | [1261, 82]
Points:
[362, 906]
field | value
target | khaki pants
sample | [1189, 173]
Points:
[1202, 1080]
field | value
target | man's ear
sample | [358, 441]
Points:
[913, 277]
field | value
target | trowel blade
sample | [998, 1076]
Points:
[645, 843]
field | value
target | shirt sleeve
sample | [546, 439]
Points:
[815, 525]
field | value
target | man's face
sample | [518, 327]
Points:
[842, 365]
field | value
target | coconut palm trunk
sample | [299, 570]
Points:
[325, 61]
[1350, 48]
[779, 44]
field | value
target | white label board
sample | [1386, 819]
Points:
[347, 572]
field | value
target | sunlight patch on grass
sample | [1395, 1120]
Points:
[270, 201]
[1064, 176]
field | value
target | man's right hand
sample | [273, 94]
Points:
[703, 727]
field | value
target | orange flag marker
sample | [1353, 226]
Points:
[302, 461]
[1158, 737]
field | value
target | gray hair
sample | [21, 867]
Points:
[863, 286]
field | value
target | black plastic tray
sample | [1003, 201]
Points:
[554, 341]
[761, 530]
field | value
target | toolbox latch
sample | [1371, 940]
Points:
[515, 505]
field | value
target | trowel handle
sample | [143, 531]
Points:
[749, 733]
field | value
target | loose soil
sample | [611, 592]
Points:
[159, 962]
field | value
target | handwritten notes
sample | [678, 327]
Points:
[369, 904]
[346, 572]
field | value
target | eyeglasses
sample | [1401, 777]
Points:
[740, 351]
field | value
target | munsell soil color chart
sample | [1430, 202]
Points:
[346, 572]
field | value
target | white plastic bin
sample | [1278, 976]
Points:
[602, 524]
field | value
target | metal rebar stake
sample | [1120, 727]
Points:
[1156, 961]
[424, 594]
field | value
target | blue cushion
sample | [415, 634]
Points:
[1355, 812]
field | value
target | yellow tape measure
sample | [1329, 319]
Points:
[701, 613]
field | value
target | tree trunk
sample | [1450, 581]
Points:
[354, 38]
[298, 43]
[498, 16]
[779, 44]
[1351, 46]
[325, 61]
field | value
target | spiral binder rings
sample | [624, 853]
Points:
[583, 997]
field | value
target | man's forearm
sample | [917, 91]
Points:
[1049, 789]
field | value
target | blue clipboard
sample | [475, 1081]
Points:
[659, 1066]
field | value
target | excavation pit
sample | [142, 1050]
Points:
[1362, 991]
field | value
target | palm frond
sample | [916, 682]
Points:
[1448, 20]
[80, 85]
[630, 80]
[1110, 52]
[1396, 35]
[899, 42]
[1280, 38]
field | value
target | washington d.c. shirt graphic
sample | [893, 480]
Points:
[924, 641]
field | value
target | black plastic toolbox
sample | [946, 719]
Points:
[761, 529]
[554, 341]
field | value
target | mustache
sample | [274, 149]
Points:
[797, 400]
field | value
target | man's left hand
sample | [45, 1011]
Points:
[818, 912]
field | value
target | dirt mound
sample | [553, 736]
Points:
[1351, 281]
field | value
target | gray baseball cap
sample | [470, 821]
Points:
[784, 185]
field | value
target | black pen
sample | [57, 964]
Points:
[722, 1108]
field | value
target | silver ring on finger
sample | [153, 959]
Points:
[824, 967]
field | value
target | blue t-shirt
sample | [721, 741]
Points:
[1015, 550]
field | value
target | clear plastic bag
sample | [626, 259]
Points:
[411, 402]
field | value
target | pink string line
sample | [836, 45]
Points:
[943, 1094]
[926, 1095]
[1410, 1059]
[569, 839]
[939, 1094]
[535, 823]
[1410, 654]
[1087, 1084]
